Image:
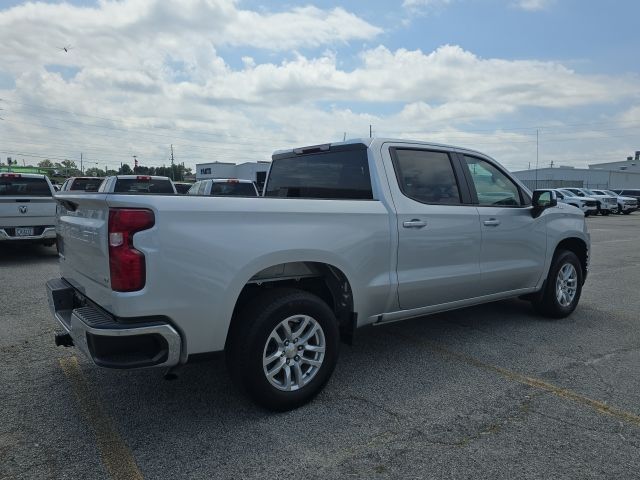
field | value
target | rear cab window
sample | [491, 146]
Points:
[15, 185]
[321, 172]
[143, 185]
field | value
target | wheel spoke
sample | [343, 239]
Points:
[309, 361]
[298, 374]
[287, 330]
[277, 338]
[287, 377]
[312, 331]
[276, 368]
[271, 358]
[300, 330]
[314, 348]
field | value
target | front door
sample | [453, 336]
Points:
[513, 242]
[438, 230]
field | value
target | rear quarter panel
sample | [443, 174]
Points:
[203, 250]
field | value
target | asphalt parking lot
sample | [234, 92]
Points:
[485, 392]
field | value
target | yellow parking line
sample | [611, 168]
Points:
[114, 453]
[596, 405]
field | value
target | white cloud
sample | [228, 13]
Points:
[154, 75]
[533, 5]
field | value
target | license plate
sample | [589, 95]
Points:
[24, 231]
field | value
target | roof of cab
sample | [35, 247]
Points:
[369, 143]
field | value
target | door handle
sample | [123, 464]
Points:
[414, 223]
[492, 222]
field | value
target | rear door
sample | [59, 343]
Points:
[513, 242]
[438, 227]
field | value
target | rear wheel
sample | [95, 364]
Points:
[604, 212]
[626, 212]
[563, 287]
[283, 348]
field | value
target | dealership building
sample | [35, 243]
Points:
[254, 171]
[615, 175]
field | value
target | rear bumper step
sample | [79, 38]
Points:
[107, 342]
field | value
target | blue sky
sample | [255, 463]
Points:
[212, 75]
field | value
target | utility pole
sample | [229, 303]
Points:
[172, 162]
[81, 169]
[105, 170]
[344, 137]
[135, 163]
[537, 155]
[370, 131]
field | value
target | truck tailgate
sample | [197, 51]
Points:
[29, 211]
[82, 239]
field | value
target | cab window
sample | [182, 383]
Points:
[492, 186]
[426, 176]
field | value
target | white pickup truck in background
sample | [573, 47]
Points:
[27, 209]
[350, 234]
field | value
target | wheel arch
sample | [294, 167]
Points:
[321, 278]
[579, 247]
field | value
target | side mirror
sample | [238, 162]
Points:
[543, 199]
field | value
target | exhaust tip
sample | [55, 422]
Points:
[63, 340]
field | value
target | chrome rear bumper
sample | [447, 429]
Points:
[49, 233]
[108, 342]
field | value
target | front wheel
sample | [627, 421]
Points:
[604, 212]
[563, 287]
[283, 348]
[626, 212]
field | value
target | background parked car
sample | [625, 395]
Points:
[629, 192]
[224, 187]
[588, 205]
[182, 187]
[606, 203]
[85, 184]
[27, 208]
[138, 184]
[626, 205]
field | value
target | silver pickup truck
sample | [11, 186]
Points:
[27, 209]
[346, 235]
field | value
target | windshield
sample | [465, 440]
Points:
[567, 193]
[609, 192]
[588, 192]
[24, 186]
[233, 189]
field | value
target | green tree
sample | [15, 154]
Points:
[45, 164]
[125, 170]
[94, 172]
[68, 168]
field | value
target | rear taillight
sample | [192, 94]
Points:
[10, 175]
[126, 264]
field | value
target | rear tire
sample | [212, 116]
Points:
[290, 332]
[626, 212]
[604, 212]
[563, 287]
